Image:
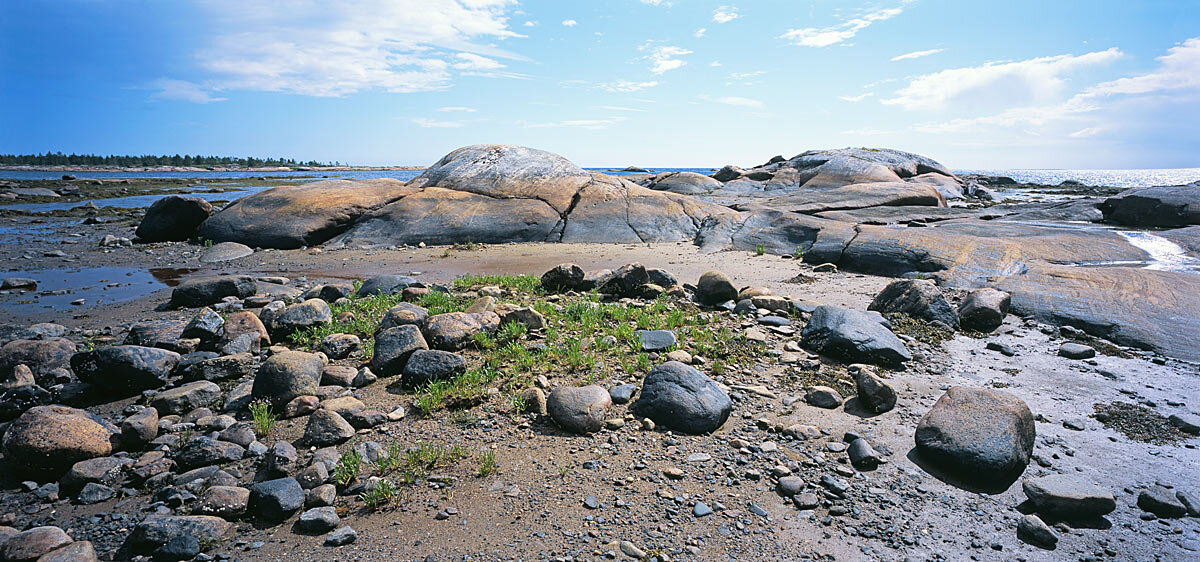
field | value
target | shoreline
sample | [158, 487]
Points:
[178, 169]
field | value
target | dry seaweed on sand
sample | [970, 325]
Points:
[1138, 422]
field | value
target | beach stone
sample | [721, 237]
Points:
[42, 357]
[1031, 529]
[622, 394]
[862, 455]
[789, 486]
[339, 346]
[823, 397]
[242, 323]
[173, 218]
[125, 368]
[276, 500]
[394, 347]
[1072, 350]
[307, 314]
[1161, 502]
[18, 376]
[1187, 423]
[563, 277]
[874, 393]
[918, 298]
[403, 314]
[715, 287]
[983, 310]
[21, 283]
[318, 520]
[286, 376]
[326, 427]
[341, 536]
[531, 318]
[681, 398]
[204, 291]
[853, 335]
[139, 428]
[456, 330]
[205, 326]
[46, 441]
[180, 548]
[338, 375]
[319, 496]
[185, 398]
[579, 409]
[534, 400]
[227, 367]
[29, 545]
[1068, 495]
[109, 471]
[425, 366]
[984, 434]
[385, 285]
[626, 281]
[206, 451]
[93, 493]
[225, 251]
[656, 340]
[78, 551]
[300, 406]
[481, 305]
[158, 530]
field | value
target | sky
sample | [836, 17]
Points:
[662, 83]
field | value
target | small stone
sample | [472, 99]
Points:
[823, 397]
[590, 502]
[1068, 495]
[656, 340]
[341, 536]
[862, 455]
[1031, 529]
[789, 486]
[701, 509]
[318, 520]
[1076, 351]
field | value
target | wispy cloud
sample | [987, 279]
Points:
[581, 123]
[916, 54]
[857, 98]
[725, 14]
[570, 23]
[620, 108]
[435, 124]
[663, 58]
[699, 33]
[318, 49]
[182, 90]
[625, 86]
[530, 23]
[657, 3]
[472, 61]
[745, 75]
[736, 101]
[1008, 82]
[457, 108]
[840, 33]
[715, 63]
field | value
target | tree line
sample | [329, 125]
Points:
[128, 161]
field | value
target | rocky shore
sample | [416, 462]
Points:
[844, 355]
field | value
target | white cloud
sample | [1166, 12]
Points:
[435, 124]
[656, 3]
[570, 23]
[662, 58]
[319, 49]
[1009, 82]
[700, 33]
[457, 108]
[620, 108]
[471, 61]
[182, 90]
[594, 124]
[840, 33]
[916, 54]
[857, 98]
[715, 63]
[530, 24]
[736, 101]
[725, 14]
[625, 86]
[745, 75]
[1180, 69]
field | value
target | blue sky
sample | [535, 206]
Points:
[1103, 84]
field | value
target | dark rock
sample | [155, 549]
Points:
[681, 398]
[158, 530]
[139, 429]
[41, 356]
[579, 409]
[394, 347]
[173, 218]
[276, 500]
[625, 281]
[1186, 423]
[862, 455]
[873, 392]
[228, 502]
[341, 536]
[853, 335]
[622, 394]
[307, 314]
[183, 399]
[210, 290]
[425, 366]
[184, 547]
[205, 451]
[1068, 496]
[918, 298]
[286, 376]
[1161, 502]
[15, 401]
[715, 287]
[456, 330]
[156, 333]
[228, 367]
[339, 346]
[125, 368]
[983, 310]
[45, 441]
[326, 427]
[823, 397]
[385, 285]
[205, 326]
[563, 277]
[318, 520]
[109, 471]
[1177, 205]
[984, 434]
[789, 486]
[1076, 351]
[280, 460]
[93, 493]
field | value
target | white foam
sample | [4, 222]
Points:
[1165, 255]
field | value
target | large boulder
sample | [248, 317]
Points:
[31, 544]
[563, 277]
[846, 166]
[157, 530]
[393, 347]
[46, 441]
[325, 427]
[125, 368]
[687, 183]
[984, 435]
[292, 216]
[581, 409]
[683, 399]
[173, 218]
[918, 298]
[715, 287]
[456, 330]
[275, 500]
[210, 290]
[1176, 205]
[853, 335]
[41, 356]
[983, 310]
[288, 375]
[183, 399]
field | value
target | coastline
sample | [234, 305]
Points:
[174, 169]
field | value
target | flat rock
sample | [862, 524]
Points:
[225, 251]
[1068, 495]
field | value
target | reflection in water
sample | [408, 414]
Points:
[58, 288]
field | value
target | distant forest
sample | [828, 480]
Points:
[60, 159]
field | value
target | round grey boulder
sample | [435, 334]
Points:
[287, 375]
[393, 347]
[276, 500]
[715, 287]
[919, 298]
[125, 368]
[173, 218]
[425, 366]
[579, 409]
[563, 277]
[307, 314]
[984, 435]
[683, 399]
[210, 290]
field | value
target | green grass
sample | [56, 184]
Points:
[518, 283]
[382, 494]
[264, 418]
[760, 249]
[488, 464]
[347, 468]
[368, 312]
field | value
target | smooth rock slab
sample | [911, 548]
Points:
[681, 398]
[1161, 502]
[1068, 495]
[1076, 351]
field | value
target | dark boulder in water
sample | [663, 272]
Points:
[173, 218]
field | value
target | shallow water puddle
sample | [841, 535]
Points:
[59, 288]
[131, 202]
[1165, 255]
